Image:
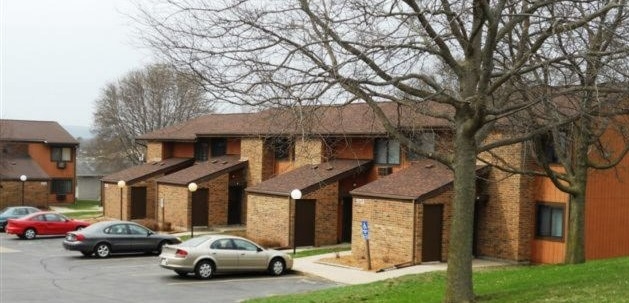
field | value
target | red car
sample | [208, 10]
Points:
[43, 223]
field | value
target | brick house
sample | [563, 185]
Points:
[37, 163]
[350, 169]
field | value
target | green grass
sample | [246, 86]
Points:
[82, 209]
[319, 251]
[595, 281]
[83, 205]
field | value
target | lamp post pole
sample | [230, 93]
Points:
[295, 195]
[192, 187]
[23, 178]
[121, 185]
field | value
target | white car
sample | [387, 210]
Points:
[211, 254]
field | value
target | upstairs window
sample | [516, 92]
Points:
[201, 150]
[61, 154]
[549, 221]
[282, 148]
[387, 151]
[219, 147]
[426, 142]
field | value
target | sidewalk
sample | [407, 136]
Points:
[346, 275]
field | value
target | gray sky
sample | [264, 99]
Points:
[57, 55]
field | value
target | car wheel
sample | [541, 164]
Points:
[204, 269]
[86, 253]
[277, 267]
[30, 234]
[102, 250]
[182, 273]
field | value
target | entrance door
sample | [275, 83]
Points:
[138, 202]
[200, 207]
[234, 206]
[305, 222]
[431, 232]
[346, 223]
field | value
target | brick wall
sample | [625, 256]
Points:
[308, 151]
[268, 220]
[218, 196]
[35, 193]
[154, 151]
[176, 201]
[111, 201]
[252, 149]
[326, 217]
[505, 221]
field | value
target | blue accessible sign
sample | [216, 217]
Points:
[365, 228]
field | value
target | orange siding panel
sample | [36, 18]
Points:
[183, 150]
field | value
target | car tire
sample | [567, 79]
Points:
[86, 253]
[102, 250]
[181, 273]
[277, 267]
[30, 234]
[204, 269]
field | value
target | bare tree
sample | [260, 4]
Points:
[144, 100]
[468, 56]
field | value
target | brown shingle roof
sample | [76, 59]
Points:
[310, 177]
[348, 120]
[205, 170]
[12, 168]
[149, 169]
[35, 131]
[416, 182]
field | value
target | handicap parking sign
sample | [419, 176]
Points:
[365, 229]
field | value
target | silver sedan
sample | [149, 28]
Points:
[209, 254]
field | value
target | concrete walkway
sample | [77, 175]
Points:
[347, 275]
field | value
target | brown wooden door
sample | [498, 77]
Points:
[346, 223]
[432, 227]
[138, 202]
[200, 207]
[305, 222]
[234, 205]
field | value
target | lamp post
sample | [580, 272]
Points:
[192, 187]
[121, 185]
[295, 195]
[23, 178]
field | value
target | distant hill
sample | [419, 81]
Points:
[79, 131]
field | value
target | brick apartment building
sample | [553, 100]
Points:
[223, 169]
[37, 163]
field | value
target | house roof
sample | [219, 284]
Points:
[418, 181]
[49, 132]
[149, 169]
[205, 170]
[11, 168]
[310, 177]
[348, 120]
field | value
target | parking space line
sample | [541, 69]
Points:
[233, 280]
[7, 250]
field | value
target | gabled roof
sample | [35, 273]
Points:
[310, 177]
[35, 131]
[12, 168]
[417, 182]
[205, 170]
[356, 119]
[148, 170]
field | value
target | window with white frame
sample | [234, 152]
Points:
[61, 154]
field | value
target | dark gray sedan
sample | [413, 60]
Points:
[107, 237]
[14, 212]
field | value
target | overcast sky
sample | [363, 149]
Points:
[57, 55]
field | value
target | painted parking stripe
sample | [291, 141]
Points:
[7, 250]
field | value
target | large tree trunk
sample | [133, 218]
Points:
[459, 286]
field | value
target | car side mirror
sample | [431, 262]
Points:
[260, 249]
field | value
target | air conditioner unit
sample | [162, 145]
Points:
[385, 171]
[61, 164]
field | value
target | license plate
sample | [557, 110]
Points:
[164, 261]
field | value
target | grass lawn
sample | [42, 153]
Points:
[595, 281]
[83, 209]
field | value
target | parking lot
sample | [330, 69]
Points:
[40, 270]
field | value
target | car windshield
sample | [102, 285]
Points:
[193, 242]
[5, 211]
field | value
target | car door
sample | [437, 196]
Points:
[225, 254]
[119, 238]
[141, 239]
[250, 256]
[55, 225]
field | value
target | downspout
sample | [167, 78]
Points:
[414, 231]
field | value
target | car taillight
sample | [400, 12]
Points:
[180, 253]
[75, 237]
[80, 237]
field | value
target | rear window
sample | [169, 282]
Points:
[193, 242]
